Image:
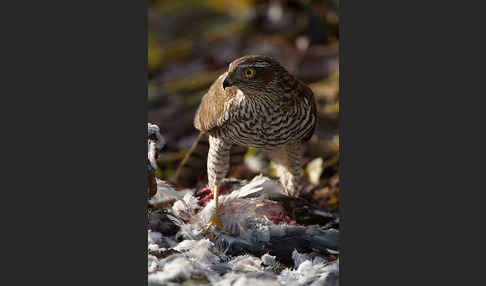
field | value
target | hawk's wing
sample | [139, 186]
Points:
[208, 116]
[211, 110]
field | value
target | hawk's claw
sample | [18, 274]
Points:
[214, 222]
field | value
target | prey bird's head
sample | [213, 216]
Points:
[258, 76]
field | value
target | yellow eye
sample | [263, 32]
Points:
[249, 73]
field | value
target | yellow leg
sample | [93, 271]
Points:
[214, 222]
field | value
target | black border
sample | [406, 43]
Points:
[77, 90]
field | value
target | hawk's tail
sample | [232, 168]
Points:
[193, 167]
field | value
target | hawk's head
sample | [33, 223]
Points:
[259, 75]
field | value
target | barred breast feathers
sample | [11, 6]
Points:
[298, 121]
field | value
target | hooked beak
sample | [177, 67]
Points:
[227, 82]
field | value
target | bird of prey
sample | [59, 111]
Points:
[256, 103]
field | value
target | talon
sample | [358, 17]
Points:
[214, 222]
